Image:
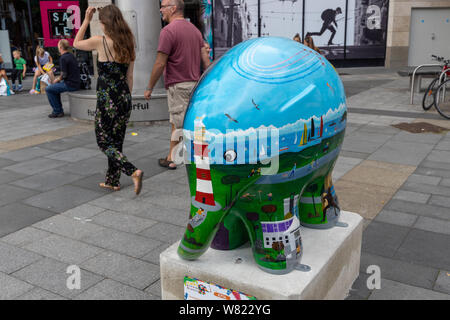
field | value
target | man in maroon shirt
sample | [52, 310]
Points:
[181, 51]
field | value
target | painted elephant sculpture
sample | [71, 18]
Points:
[262, 134]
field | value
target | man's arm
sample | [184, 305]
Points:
[205, 56]
[157, 71]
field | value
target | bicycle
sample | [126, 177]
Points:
[428, 97]
[442, 99]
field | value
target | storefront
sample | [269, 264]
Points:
[349, 32]
[32, 22]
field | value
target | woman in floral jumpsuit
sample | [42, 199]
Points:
[114, 87]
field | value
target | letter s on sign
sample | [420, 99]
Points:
[75, 12]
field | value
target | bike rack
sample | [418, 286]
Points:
[414, 76]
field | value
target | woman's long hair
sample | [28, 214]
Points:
[118, 30]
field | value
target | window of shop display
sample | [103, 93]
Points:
[344, 30]
[26, 29]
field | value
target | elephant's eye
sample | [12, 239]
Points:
[230, 155]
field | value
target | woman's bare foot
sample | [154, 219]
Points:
[137, 177]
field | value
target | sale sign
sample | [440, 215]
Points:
[60, 20]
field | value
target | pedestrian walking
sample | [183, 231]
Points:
[19, 71]
[181, 54]
[116, 56]
[68, 81]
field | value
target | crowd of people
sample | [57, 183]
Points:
[182, 54]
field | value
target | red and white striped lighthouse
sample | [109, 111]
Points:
[204, 193]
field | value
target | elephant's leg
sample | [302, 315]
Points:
[200, 231]
[275, 237]
[318, 204]
[231, 234]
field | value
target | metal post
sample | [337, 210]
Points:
[30, 21]
[230, 24]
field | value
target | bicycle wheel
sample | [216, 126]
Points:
[428, 97]
[442, 99]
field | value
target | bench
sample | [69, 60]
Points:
[417, 73]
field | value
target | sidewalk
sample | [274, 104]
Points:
[53, 215]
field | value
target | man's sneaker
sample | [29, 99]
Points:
[56, 115]
[20, 88]
[14, 87]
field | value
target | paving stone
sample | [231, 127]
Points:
[26, 154]
[443, 282]
[119, 204]
[83, 212]
[6, 162]
[111, 290]
[352, 154]
[92, 183]
[425, 248]
[401, 271]
[439, 156]
[153, 256]
[393, 290]
[35, 166]
[13, 258]
[433, 225]
[440, 201]
[170, 188]
[155, 289]
[412, 196]
[418, 209]
[167, 215]
[405, 153]
[122, 242]
[383, 239]
[429, 138]
[164, 232]
[356, 145]
[170, 201]
[73, 228]
[124, 269]
[52, 276]
[25, 236]
[396, 217]
[62, 144]
[424, 188]
[62, 199]
[11, 287]
[47, 180]
[435, 165]
[443, 145]
[63, 249]
[9, 176]
[74, 155]
[437, 173]
[445, 182]
[10, 194]
[17, 216]
[88, 167]
[350, 194]
[418, 178]
[122, 222]
[40, 294]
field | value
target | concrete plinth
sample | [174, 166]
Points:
[333, 255]
[83, 105]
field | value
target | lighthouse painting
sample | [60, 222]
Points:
[204, 195]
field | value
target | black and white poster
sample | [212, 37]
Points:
[342, 29]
